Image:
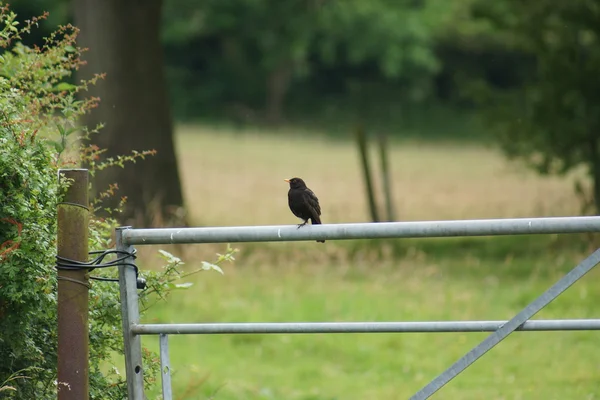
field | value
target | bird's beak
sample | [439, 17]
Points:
[287, 180]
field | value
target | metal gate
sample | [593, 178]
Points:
[132, 329]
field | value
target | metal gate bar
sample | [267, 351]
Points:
[361, 327]
[533, 308]
[165, 367]
[286, 233]
[130, 315]
[132, 329]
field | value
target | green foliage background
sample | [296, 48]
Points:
[39, 133]
[27, 293]
[394, 61]
[39, 110]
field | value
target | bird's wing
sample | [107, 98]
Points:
[312, 201]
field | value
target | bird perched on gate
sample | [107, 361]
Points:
[303, 203]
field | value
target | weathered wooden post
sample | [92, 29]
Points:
[385, 177]
[361, 140]
[73, 287]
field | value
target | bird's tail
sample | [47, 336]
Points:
[315, 220]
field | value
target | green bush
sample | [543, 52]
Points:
[28, 199]
[39, 111]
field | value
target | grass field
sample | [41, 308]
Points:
[237, 179]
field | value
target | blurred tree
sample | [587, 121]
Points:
[313, 60]
[397, 35]
[59, 13]
[259, 44]
[123, 37]
[553, 121]
[259, 48]
[471, 47]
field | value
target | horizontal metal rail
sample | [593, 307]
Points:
[283, 233]
[362, 327]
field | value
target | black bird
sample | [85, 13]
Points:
[303, 203]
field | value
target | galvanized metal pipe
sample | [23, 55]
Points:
[165, 368]
[130, 315]
[361, 327]
[283, 233]
[73, 287]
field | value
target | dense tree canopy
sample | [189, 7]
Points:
[552, 119]
[253, 53]
[251, 58]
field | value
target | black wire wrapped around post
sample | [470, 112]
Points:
[63, 263]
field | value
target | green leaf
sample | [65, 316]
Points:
[70, 131]
[61, 129]
[70, 49]
[208, 266]
[171, 285]
[63, 86]
[58, 146]
[170, 258]
[185, 285]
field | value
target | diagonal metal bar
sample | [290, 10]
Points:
[533, 308]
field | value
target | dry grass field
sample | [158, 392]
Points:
[236, 178]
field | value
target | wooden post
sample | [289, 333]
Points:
[73, 287]
[361, 140]
[385, 177]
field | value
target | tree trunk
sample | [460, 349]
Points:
[278, 83]
[123, 37]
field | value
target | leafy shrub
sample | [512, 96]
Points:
[39, 133]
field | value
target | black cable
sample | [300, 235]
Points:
[63, 263]
[99, 278]
[74, 204]
[66, 278]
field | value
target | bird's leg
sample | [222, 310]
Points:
[302, 224]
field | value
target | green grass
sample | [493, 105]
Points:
[391, 280]
[423, 285]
